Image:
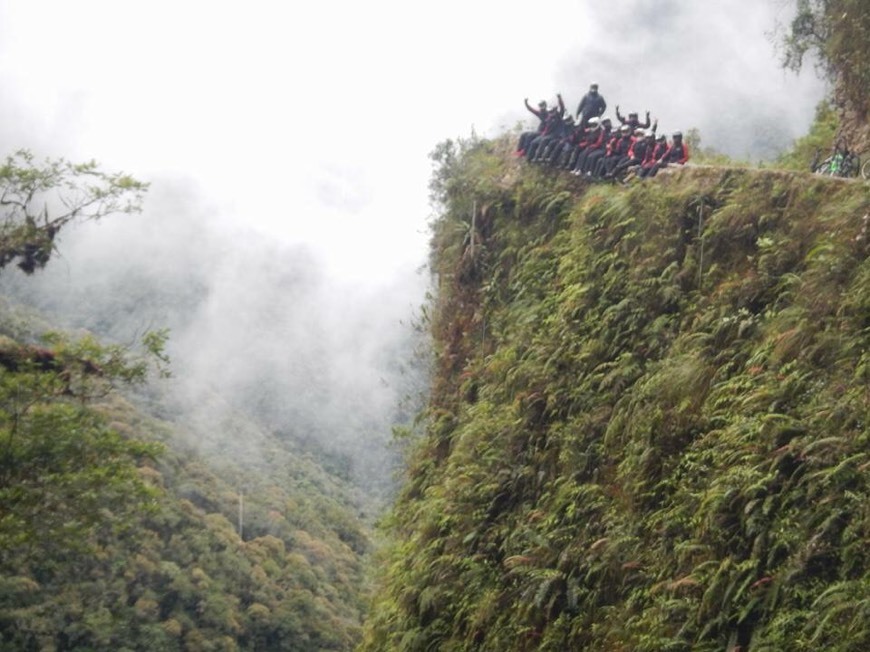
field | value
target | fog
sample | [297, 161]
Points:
[257, 328]
[284, 238]
[706, 65]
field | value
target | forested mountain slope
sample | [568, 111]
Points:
[227, 507]
[120, 530]
[649, 420]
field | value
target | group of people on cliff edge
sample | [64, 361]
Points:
[587, 144]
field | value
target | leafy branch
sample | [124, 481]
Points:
[38, 199]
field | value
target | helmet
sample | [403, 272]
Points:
[640, 133]
[662, 138]
[678, 134]
[605, 121]
[593, 122]
[625, 128]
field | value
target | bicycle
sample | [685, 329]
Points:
[842, 163]
[865, 169]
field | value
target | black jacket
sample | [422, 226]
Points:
[592, 105]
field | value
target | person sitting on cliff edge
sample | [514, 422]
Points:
[677, 153]
[526, 137]
[633, 120]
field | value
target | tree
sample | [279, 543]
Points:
[38, 199]
[838, 32]
[64, 474]
[704, 155]
[808, 32]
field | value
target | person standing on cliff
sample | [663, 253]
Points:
[591, 106]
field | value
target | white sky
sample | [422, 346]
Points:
[312, 121]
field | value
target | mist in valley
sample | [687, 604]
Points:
[257, 328]
[284, 238]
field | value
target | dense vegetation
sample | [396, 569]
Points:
[649, 421]
[116, 534]
[127, 523]
[647, 428]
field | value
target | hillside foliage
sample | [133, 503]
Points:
[117, 534]
[128, 524]
[815, 144]
[648, 428]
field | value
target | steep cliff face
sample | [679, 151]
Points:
[649, 422]
[846, 53]
[855, 129]
[838, 32]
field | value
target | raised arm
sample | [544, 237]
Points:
[538, 114]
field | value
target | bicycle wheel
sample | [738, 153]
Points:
[865, 169]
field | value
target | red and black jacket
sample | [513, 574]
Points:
[676, 153]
